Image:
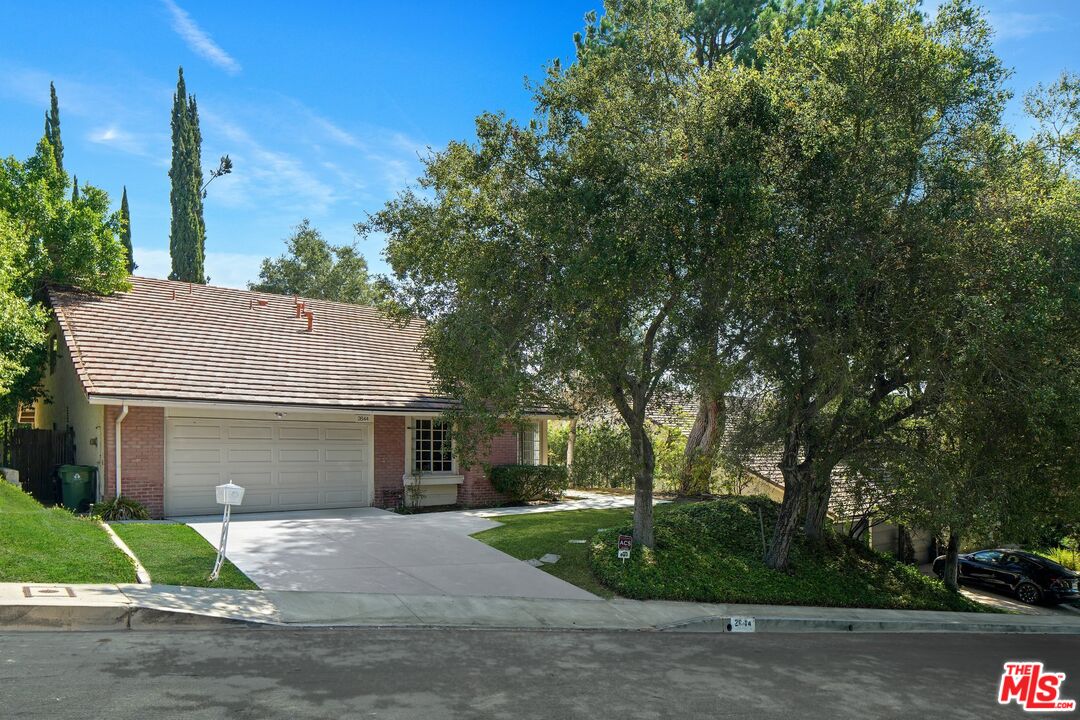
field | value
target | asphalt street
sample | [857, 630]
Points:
[419, 673]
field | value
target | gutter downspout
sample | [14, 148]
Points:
[119, 420]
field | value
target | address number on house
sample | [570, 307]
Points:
[741, 624]
[363, 418]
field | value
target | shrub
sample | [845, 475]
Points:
[602, 454]
[529, 482]
[121, 508]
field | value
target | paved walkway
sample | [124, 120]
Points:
[366, 550]
[109, 606]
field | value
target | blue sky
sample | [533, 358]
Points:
[324, 107]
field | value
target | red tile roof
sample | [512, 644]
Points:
[162, 341]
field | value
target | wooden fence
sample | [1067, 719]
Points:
[35, 454]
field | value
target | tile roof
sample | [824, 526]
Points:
[162, 341]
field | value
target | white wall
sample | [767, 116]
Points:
[65, 404]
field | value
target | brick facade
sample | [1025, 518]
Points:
[142, 457]
[389, 460]
[476, 490]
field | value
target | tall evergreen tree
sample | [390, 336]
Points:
[52, 128]
[187, 234]
[75, 189]
[125, 232]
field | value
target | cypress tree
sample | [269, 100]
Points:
[187, 238]
[52, 128]
[125, 232]
[75, 189]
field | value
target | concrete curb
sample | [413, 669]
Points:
[134, 607]
[104, 617]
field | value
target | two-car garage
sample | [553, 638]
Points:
[284, 463]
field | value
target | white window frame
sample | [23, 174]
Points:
[429, 477]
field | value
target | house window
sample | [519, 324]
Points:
[431, 447]
[529, 444]
[53, 352]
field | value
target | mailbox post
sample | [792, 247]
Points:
[227, 495]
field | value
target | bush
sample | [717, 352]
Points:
[602, 455]
[121, 508]
[529, 482]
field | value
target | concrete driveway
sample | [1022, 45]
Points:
[367, 550]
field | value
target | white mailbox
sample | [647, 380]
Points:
[230, 494]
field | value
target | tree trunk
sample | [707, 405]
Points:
[701, 446]
[644, 466]
[571, 440]
[796, 482]
[952, 561]
[817, 504]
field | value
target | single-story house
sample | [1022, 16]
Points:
[308, 404]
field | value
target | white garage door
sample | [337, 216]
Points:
[282, 465]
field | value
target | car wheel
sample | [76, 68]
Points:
[1028, 593]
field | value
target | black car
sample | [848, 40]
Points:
[1029, 577]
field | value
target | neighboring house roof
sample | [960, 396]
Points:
[171, 341]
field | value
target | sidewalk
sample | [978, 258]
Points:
[90, 607]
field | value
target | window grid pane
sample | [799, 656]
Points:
[431, 447]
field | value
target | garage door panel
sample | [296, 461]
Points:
[198, 432]
[299, 433]
[344, 455]
[248, 432]
[296, 466]
[250, 455]
[297, 499]
[292, 455]
[299, 477]
[347, 433]
[344, 499]
[195, 456]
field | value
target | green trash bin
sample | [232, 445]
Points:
[76, 486]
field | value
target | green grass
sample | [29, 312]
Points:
[531, 536]
[177, 555]
[51, 545]
[711, 552]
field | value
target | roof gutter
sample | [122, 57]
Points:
[95, 399]
[119, 444]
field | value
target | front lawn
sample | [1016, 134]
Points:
[532, 536]
[51, 545]
[712, 552]
[175, 554]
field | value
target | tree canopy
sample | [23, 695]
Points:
[47, 237]
[187, 230]
[313, 268]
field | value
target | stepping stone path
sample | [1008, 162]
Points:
[549, 559]
[534, 562]
[577, 542]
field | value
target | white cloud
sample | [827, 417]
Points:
[199, 41]
[116, 137]
[267, 172]
[226, 269]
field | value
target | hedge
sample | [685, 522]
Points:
[529, 482]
